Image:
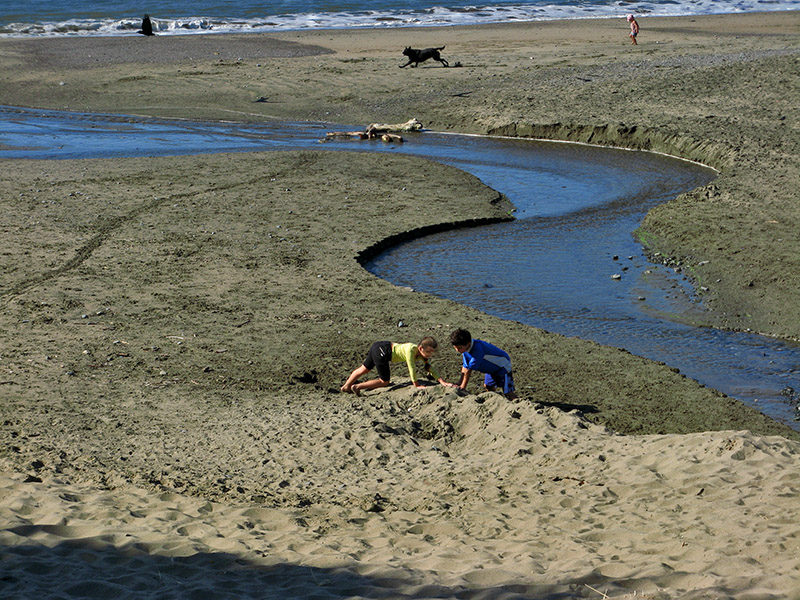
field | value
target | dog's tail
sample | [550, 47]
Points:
[440, 48]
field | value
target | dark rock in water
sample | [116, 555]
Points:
[147, 26]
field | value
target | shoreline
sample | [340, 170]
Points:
[176, 330]
[382, 22]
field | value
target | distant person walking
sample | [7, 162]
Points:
[634, 29]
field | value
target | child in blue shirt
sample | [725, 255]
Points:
[481, 356]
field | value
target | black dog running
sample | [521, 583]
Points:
[416, 56]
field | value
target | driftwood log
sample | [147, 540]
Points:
[387, 132]
[340, 134]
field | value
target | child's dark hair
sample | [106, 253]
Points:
[460, 337]
[429, 343]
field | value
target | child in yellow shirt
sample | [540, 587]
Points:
[381, 354]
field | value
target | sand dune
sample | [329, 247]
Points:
[432, 495]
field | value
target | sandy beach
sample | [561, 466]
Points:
[175, 330]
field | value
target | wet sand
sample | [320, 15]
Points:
[175, 330]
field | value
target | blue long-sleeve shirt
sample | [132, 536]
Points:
[486, 358]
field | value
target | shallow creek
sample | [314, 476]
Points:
[568, 264]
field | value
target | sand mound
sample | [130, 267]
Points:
[427, 494]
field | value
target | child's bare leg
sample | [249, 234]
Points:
[358, 372]
[369, 385]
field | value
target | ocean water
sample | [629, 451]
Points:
[24, 18]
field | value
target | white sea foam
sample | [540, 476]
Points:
[433, 16]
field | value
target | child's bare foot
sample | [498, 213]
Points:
[354, 389]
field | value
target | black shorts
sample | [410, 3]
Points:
[378, 358]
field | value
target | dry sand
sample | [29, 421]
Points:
[499, 502]
[175, 330]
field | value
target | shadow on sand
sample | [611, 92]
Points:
[90, 568]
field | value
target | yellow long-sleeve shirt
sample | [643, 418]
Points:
[408, 353]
